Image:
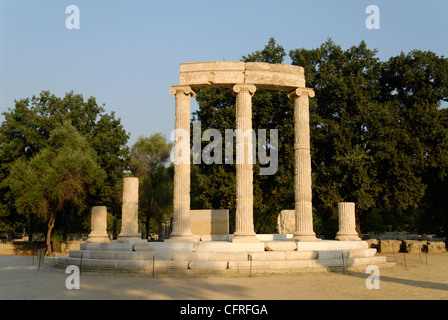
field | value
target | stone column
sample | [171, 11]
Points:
[347, 224]
[181, 201]
[244, 220]
[98, 225]
[302, 168]
[129, 210]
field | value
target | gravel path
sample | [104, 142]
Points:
[20, 279]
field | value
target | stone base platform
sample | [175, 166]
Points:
[224, 257]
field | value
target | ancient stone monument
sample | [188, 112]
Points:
[244, 251]
[244, 79]
[98, 225]
[286, 222]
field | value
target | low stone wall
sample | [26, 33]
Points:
[389, 246]
[25, 248]
[402, 236]
[408, 246]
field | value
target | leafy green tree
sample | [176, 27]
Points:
[57, 179]
[26, 130]
[417, 83]
[149, 161]
[375, 126]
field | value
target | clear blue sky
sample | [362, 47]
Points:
[127, 53]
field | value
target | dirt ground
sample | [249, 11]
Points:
[424, 277]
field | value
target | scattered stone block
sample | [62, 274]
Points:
[209, 222]
[373, 243]
[389, 246]
[286, 222]
[413, 246]
[434, 247]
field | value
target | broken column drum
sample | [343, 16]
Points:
[129, 211]
[347, 222]
[98, 225]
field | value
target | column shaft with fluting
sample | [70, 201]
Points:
[244, 221]
[347, 222]
[302, 166]
[181, 198]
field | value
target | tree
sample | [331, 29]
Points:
[375, 126]
[58, 178]
[149, 161]
[379, 138]
[26, 130]
[417, 83]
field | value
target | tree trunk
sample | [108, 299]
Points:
[147, 226]
[358, 225]
[50, 225]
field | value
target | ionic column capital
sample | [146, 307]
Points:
[187, 90]
[244, 88]
[298, 92]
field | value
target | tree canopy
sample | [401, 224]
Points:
[26, 131]
[58, 179]
[378, 138]
[149, 161]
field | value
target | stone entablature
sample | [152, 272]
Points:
[226, 74]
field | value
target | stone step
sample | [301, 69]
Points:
[222, 255]
[317, 265]
[166, 246]
[230, 247]
[351, 253]
[144, 266]
[120, 255]
[268, 245]
[271, 256]
[111, 246]
[331, 245]
[208, 265]
[210, 256]
[269, 266]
